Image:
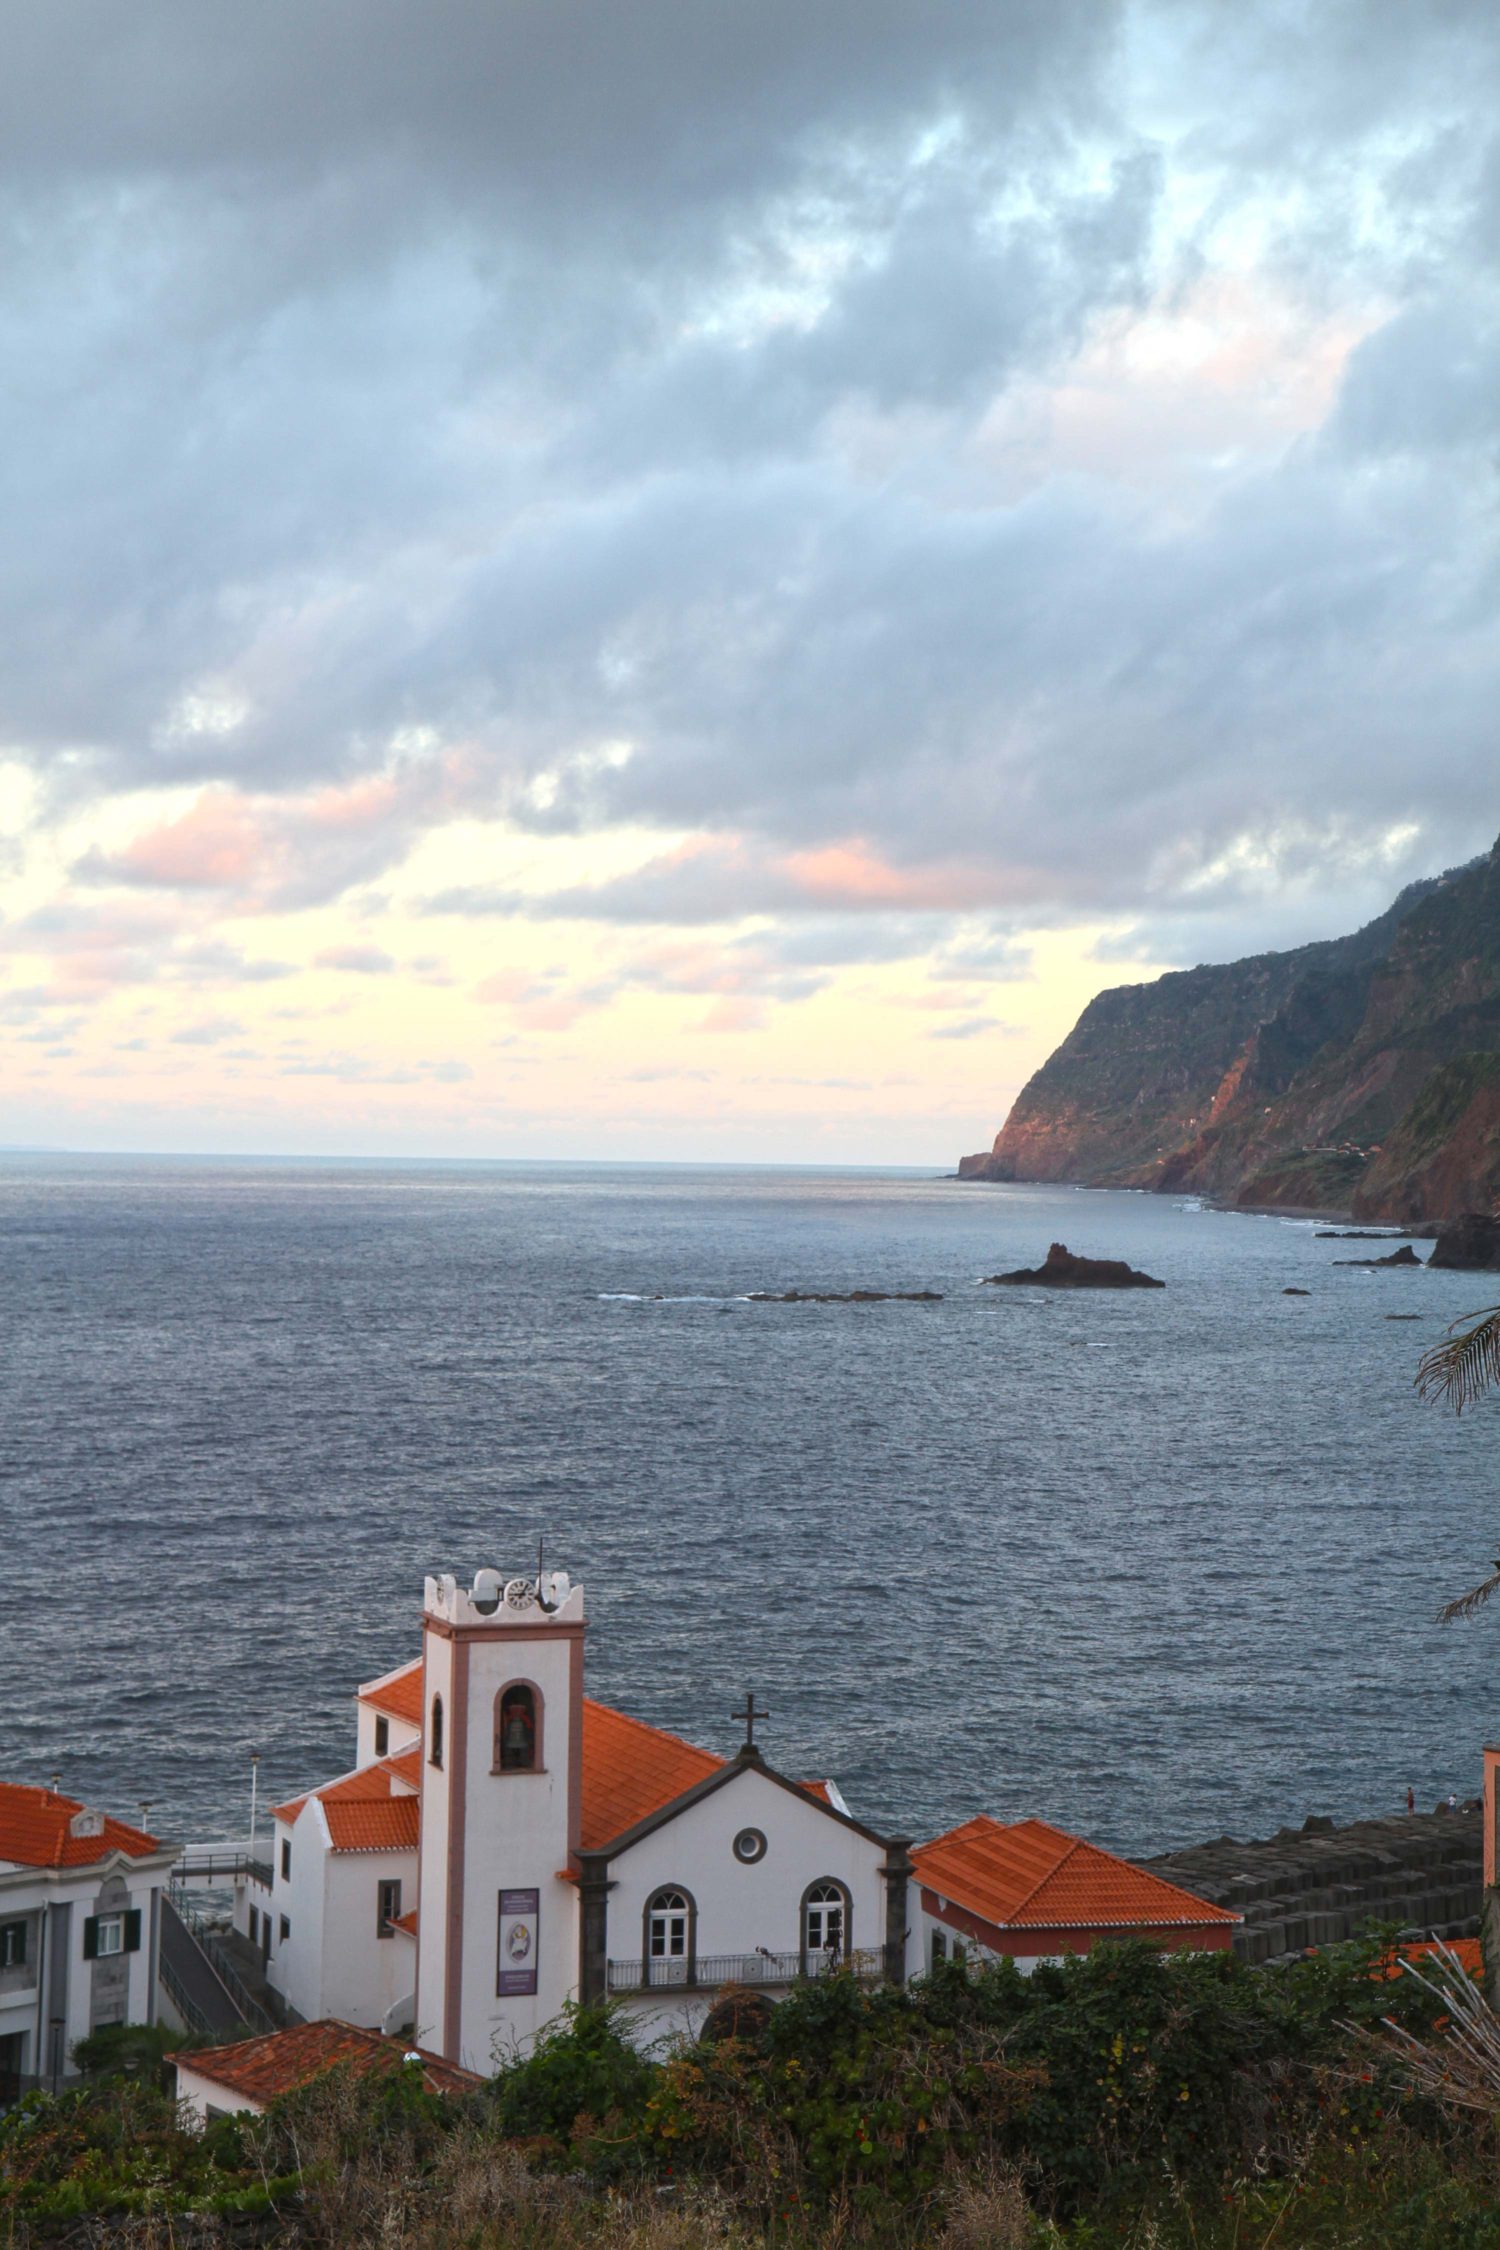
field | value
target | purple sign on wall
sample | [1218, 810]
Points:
[519, 1914]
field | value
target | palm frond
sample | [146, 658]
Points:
[1466, 1364]
[1467, 1604]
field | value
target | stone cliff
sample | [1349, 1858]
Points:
[1360, 1074]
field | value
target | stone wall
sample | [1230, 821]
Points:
[1319, 1883]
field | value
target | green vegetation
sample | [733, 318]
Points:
[1114, 2102]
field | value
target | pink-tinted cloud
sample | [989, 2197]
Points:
[733, 1015]
[217, 844]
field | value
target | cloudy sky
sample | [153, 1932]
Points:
[690, 579]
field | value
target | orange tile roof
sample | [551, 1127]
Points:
[1465, 1949]
[1030, 1875]
[369, 1810]
[36, 1830]
[278, 2061]
[398, 1694]
[631, 1769]
[393, 1826]
[406, 1923]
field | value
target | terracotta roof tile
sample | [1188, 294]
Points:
[1030, 1875]
[364, 1827]
[398, 1694]
[36, 1830]
[1466, 1949]
[369, 1810]
[260, 2069]
[406, 1923]
[631, 1769]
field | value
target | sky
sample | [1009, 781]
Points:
[689, 581]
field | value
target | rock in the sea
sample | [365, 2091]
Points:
[1357, 1234]
[1472, 1243]
[1063, 1271]
[846, 1297]
[1405, 1256]
[1296, 1292]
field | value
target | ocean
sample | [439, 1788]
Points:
[1156, 1566]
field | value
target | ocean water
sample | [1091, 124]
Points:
[1156, 1565]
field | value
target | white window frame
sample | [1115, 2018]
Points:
[109, 1936]
[826, 1903]
[670, 1921]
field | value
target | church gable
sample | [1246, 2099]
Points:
[750, 1878]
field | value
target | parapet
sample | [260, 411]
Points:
[495, 1600]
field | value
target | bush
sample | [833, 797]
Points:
[581, 2074]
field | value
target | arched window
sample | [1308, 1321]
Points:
[670, 1934]
[825, 1924]
[435, 1733]
[518, 1729]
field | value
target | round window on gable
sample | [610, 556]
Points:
[749, 1846]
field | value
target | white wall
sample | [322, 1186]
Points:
[516, 1838]
[402, 1735]
[34, 1894]
[741, 1907]
[363, 1975]
[432, 1933]
[515, 1826]
[295, 1968]
[200, 2095]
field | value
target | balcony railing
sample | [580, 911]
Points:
[220, 1864]
[709, 1970]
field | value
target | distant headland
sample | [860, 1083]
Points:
[1358, 1075]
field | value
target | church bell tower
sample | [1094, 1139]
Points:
[502, 1777]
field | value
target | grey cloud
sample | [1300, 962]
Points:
[207, 1033]
[971, 1027]
[456, 394]
[356, 960]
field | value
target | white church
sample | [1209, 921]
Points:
[504, 1844]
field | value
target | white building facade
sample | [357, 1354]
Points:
[504, 1845]
[80, 1930]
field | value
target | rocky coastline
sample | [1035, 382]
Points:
[1355, 1078]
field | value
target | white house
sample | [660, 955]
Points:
[80, 1923]
[504, 1844]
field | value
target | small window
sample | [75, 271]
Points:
[516, 1731]
[107, 1934]
[255, 1925]
[12, 1944]
[286, 1929]
[382, 1737]
[286, 1859]
[824, 1914]
[939, 1946]
[667, 1926]
[387, 1906]
[435, 1733]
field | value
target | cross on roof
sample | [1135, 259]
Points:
[749, 1715]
